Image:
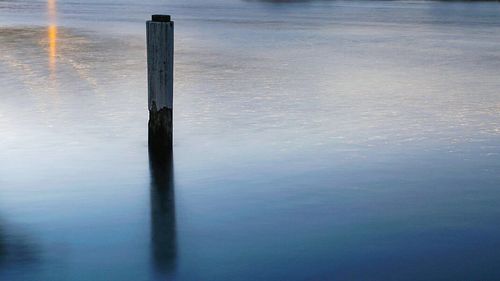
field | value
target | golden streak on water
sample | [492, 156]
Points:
[52, 46]
[52, 35]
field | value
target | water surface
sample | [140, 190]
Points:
[314, 140]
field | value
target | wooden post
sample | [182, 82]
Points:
[160, 52]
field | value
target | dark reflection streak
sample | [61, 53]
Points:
[3, 251]
[16, 249]
[163, 226]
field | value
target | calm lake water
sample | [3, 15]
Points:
[315, 140]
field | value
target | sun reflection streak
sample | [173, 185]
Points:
[52, 35]
[52, 46]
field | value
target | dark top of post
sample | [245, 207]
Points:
[160, 18]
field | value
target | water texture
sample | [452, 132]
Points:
[313, 140]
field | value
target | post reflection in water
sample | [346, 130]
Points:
[163, 226]
[52, 35]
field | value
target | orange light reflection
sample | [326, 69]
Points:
[52, 46]
[52, 35]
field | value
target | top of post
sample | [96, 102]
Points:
[160, 18]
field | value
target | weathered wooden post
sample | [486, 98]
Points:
[160, 53]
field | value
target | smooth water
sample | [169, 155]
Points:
[314, 140]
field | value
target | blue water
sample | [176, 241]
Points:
[313, 140]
